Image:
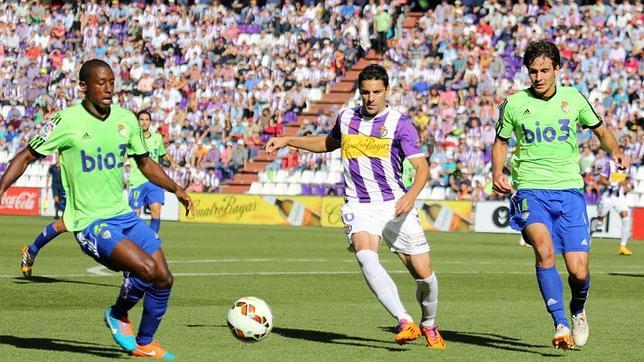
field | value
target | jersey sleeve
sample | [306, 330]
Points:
[588, 118]
[52, 136]
[408, 137]
[136, 144]
[335, 131]
[162, 151]
[504, 123]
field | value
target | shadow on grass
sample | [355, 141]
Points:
[323, 337]
[633, 275]
[496, 341]
[61, 345]
[48, 280]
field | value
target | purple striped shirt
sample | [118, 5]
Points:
[373, 149]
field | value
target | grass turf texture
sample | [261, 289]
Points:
[489, 304]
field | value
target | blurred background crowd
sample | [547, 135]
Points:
[220, 79]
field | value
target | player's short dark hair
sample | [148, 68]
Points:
[374, 72]
[87, 68]
[143, 111]
[542, 48]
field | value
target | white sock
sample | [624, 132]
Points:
[427, 295]
[381, 284]
[626, 231]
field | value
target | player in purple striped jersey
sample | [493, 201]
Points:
[616, 183]
[374, 140]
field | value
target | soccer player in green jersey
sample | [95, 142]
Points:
[548, 207]
[93, 139]
[144, 193]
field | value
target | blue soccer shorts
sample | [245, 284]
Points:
[145, 195]
[562, 211]
[100, 237]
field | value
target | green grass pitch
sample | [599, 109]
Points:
[489, 303]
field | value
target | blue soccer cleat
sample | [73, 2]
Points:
[121, 330]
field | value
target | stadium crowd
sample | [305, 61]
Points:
[219, 80]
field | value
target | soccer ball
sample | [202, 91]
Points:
[250, 319]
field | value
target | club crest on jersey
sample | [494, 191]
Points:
[382, 131]
[564, 106]
[122, 131]
[46, 130]
[106, 234]
[347, 228]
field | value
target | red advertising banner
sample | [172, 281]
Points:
[20, 201]
[638, 223]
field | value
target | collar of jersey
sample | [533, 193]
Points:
[534, 95]
[109, 111]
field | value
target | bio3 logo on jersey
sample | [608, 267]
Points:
[547, 134]
[107, 160]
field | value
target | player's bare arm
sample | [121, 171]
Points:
[609, 143]
[317, 144]
[155, 173]
[406, 202]
[500, 183]
[16, 168]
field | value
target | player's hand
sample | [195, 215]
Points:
[404, 205]
[620, 159]
[501, 185]
[185, 199]
[275, 143]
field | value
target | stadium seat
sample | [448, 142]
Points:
[281, 176]
[632, 199]
[307, 177]
[255, 188]
[294, 189]
[425, 194]
[335, 165]
[268, 188]
[4, 157]
[641, 203]
[320, 177]
[294, 177]
[334, 178]
[640, 173]
[438, 193]
[280, 188]
[262, 176]
[449, 194]
[640, 187]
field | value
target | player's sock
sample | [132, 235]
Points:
[552, 291]
[427, 296]
[155, 305]
[579, 293]
[626, 231]
[47, 235]
[155, 224]
[132, 290]
[381, 284]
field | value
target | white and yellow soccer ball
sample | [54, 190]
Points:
[250, 319]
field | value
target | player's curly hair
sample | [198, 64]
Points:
[87, 68]
[542, 48]
[374, 72]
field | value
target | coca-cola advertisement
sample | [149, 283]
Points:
[20, 201]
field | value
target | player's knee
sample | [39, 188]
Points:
[146, 270]
[580, 276]
[164, 281]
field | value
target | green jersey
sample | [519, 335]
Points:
[156, 148]
[547, 154]
[92, 153]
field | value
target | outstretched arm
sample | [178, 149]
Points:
[609, 143]
[17, 167]
[155, 173]
[310, 143]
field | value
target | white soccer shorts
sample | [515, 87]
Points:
[614, 202]
[403, 234]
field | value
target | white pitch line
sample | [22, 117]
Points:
[313, 272]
